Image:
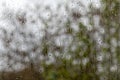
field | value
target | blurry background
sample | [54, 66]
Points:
[59, 40]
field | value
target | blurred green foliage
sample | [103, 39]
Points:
[87, 49]
[81, 59]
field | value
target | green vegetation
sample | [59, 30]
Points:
[80, 54]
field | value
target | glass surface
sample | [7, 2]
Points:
[59, 39]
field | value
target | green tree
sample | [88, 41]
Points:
[65, 48]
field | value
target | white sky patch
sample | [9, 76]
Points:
[21, 3]
[13, 3]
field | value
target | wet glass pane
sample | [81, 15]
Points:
[59, 39]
